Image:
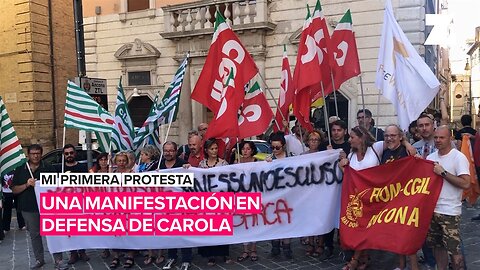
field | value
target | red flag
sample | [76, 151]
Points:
[226, 54]
[225, 122]
[322, 41]
[393, 202]
[307, 74]
[256, 113]
[286, 93]
[344, 57]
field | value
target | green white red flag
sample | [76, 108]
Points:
[83, 112]
[11, 154]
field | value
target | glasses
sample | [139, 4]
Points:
[69, 153]
[276, 147]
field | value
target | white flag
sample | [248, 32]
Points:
[403, 77]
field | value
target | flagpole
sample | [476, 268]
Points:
[334, 94]
[378, 115]
[363, 100]
[63, 156]
[166, 135]
[238, 151]
[30, 170]
[327, 126]
[109, 164]
[274, 100]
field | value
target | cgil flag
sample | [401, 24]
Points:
[220, 86]
[166, 111]
[123, 131]
[322, 43]
[11, 154]
[82, 112]
[255, 114]
[307, 74]
[286, 96]
[225, 122]
[344, 55]
[402, 75]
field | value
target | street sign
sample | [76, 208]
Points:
[96, 88]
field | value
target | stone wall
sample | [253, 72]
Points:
[26, 82]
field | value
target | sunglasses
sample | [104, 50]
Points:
[276, 147]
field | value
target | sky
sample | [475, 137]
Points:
[466, 16]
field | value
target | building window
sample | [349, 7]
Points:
[139, 78]
[134, 5]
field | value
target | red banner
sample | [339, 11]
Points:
[389, 207]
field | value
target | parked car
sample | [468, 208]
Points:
[263, 148]
[54, 157]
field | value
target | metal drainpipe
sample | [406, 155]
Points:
[52, 72]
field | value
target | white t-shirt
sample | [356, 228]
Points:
[370, 159]
[450, 199]
[294, 145]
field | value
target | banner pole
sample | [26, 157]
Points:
[334, 94]
[363, 100]
[63, 156]
[166, 135]
[327, 126]
[378, 115]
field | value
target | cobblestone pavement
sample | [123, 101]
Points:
[16, 253]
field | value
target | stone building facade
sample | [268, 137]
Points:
[37, 56]
[144, 40]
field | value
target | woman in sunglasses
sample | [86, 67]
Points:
[277, 142]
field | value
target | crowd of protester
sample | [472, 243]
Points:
[364, 146]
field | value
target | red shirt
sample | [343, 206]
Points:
[194, 161]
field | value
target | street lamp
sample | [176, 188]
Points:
[468, 70]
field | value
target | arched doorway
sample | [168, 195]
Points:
[318, 115]
[139, 108]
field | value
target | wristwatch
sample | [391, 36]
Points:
[444, 174]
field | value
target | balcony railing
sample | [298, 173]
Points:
[198, 18]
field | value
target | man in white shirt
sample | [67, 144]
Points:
[294, 144]
[444, 233]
